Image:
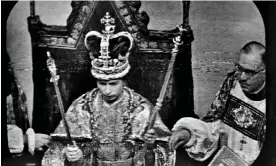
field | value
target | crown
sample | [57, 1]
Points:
[105, 66]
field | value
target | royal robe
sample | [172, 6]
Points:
[110, 134]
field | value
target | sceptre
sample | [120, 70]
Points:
[177, 43]
[54, 78]
[150, 146]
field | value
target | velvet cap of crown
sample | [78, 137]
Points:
[105, 66]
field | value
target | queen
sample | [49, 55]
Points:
[109, 124]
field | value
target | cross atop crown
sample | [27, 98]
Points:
[109, 23]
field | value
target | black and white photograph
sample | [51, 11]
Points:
[138, 83]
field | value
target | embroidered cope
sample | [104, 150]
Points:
[109, 134]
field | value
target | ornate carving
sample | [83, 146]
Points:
[135, 22]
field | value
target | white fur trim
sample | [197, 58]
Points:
[184, 124]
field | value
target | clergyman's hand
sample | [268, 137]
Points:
[178, 138]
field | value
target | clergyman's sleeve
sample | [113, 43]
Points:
[204, 137]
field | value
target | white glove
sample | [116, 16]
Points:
[149, 136]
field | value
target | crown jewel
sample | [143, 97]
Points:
[104, 66]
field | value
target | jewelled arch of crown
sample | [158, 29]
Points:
[104, 66]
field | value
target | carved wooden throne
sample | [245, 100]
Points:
[149, 60]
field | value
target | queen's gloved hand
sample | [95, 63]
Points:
[149, 136]
[73, 152]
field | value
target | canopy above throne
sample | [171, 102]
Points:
[149, 60]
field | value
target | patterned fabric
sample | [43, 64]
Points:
[245, 118]
[109, 134]
[218, 105]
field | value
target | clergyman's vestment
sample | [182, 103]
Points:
[112, 130]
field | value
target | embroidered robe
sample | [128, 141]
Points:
[109, 134]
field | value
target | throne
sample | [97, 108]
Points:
[149, 60]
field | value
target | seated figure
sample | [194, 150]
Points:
[109, 124]
[21, 141]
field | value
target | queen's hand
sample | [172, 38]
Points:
[73, 152]
[149, 136]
